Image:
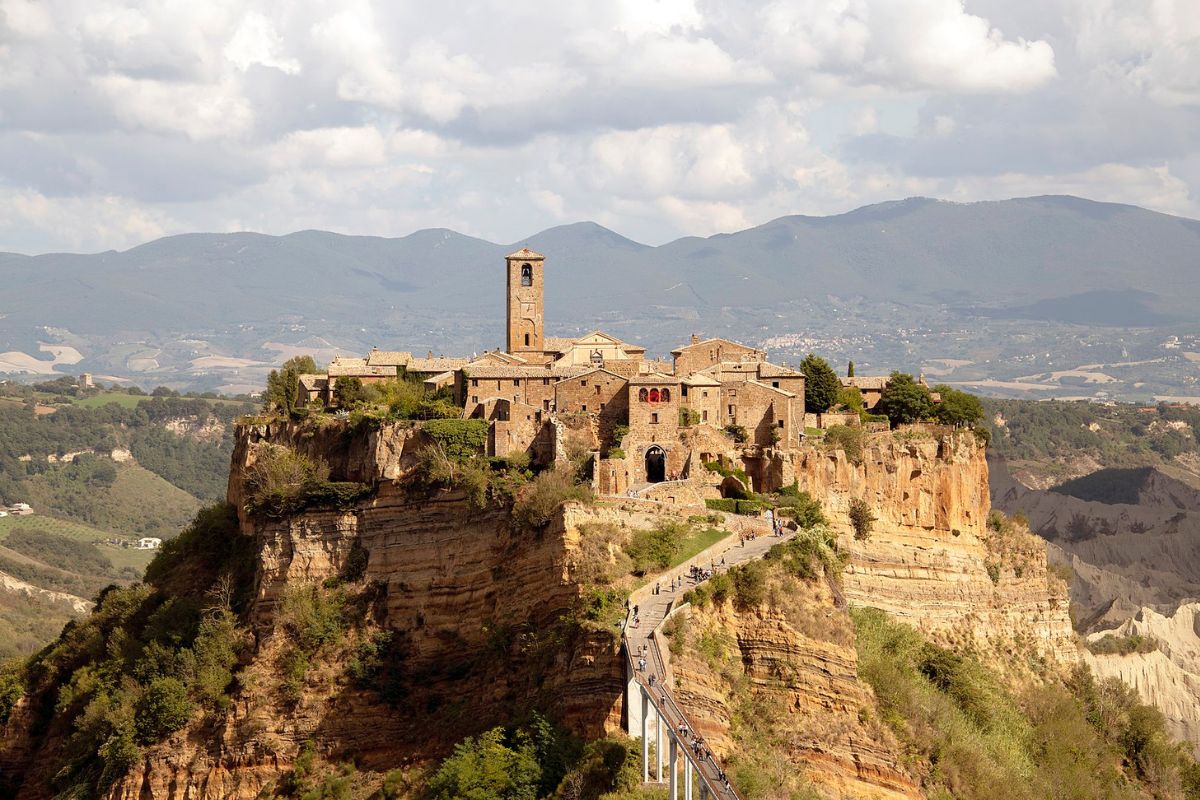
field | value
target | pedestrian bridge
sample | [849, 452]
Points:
[650, 706]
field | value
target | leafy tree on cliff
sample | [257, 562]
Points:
[349, 392]
[487, 767]
[957, 407]
[904, 400]
[283, 385]
[821, 384]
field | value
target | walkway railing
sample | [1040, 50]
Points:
[667, 711]
[708, 771]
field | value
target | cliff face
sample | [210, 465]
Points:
[931, 560]
[471, 600]
[782, 680]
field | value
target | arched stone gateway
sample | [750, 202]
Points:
[656, 464]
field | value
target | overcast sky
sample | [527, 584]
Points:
[122, 122]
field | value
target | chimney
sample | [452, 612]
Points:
[695, 339]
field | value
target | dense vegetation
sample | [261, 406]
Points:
[1118, 435]
[196, 467]
[149, 658]
[980, 739]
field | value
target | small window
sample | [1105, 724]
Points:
[516, 381]
[704, 416]
[683, 390]
[602, 406]
[474, 382]
[731, 410]
[474, 398]
[666, 395]
[775, 384]
[781, 423]
[527, 340]
[705, 393]
[583, 382]
[545, 381]
[597, 388]
[545, 405]
[585, 406]
[654, 419]
[733, 392]
[654, 396]
[643, 395]
[526, 276]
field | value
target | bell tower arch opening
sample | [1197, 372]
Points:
[526, 301]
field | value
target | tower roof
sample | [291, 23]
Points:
[524, 253]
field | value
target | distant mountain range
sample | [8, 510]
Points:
[1052, 258]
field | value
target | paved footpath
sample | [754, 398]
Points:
[653, 608]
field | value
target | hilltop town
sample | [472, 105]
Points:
[645, 421]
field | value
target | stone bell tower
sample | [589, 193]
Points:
[526, 306]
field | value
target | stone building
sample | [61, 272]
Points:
[644, 421]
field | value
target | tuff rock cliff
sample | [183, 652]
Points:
[478, 615]
[932, 560]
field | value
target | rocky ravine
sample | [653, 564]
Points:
[1169, 677]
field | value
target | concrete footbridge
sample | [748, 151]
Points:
[650, 706]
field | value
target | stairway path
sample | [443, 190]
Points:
[750, 542]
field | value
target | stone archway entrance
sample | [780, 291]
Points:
[656, 465]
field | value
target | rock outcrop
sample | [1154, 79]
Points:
[790, 666]
[931, 559]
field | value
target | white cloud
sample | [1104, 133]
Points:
[257, 42]
[656, 117]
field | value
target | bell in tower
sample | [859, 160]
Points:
[526, 314]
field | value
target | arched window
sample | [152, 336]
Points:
[526, 275]
[654, 396]
[643, 395]
[666, 395]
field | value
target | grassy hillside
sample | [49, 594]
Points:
[82, 504]
[1057, 440]
[135, 503]
[60, 556]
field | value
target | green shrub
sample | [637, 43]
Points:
[164, 708]
[801, 555]
[460, 439]
[653, 550]
[735, 506]
[792, 503]
[545, 495]
[12, 686]
[1122, 645]
[862, 519]
[727, 472]
[488, 767]
[688, 417]
[850, 440]
[749, 584]
[616, 452]
[737, 432]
